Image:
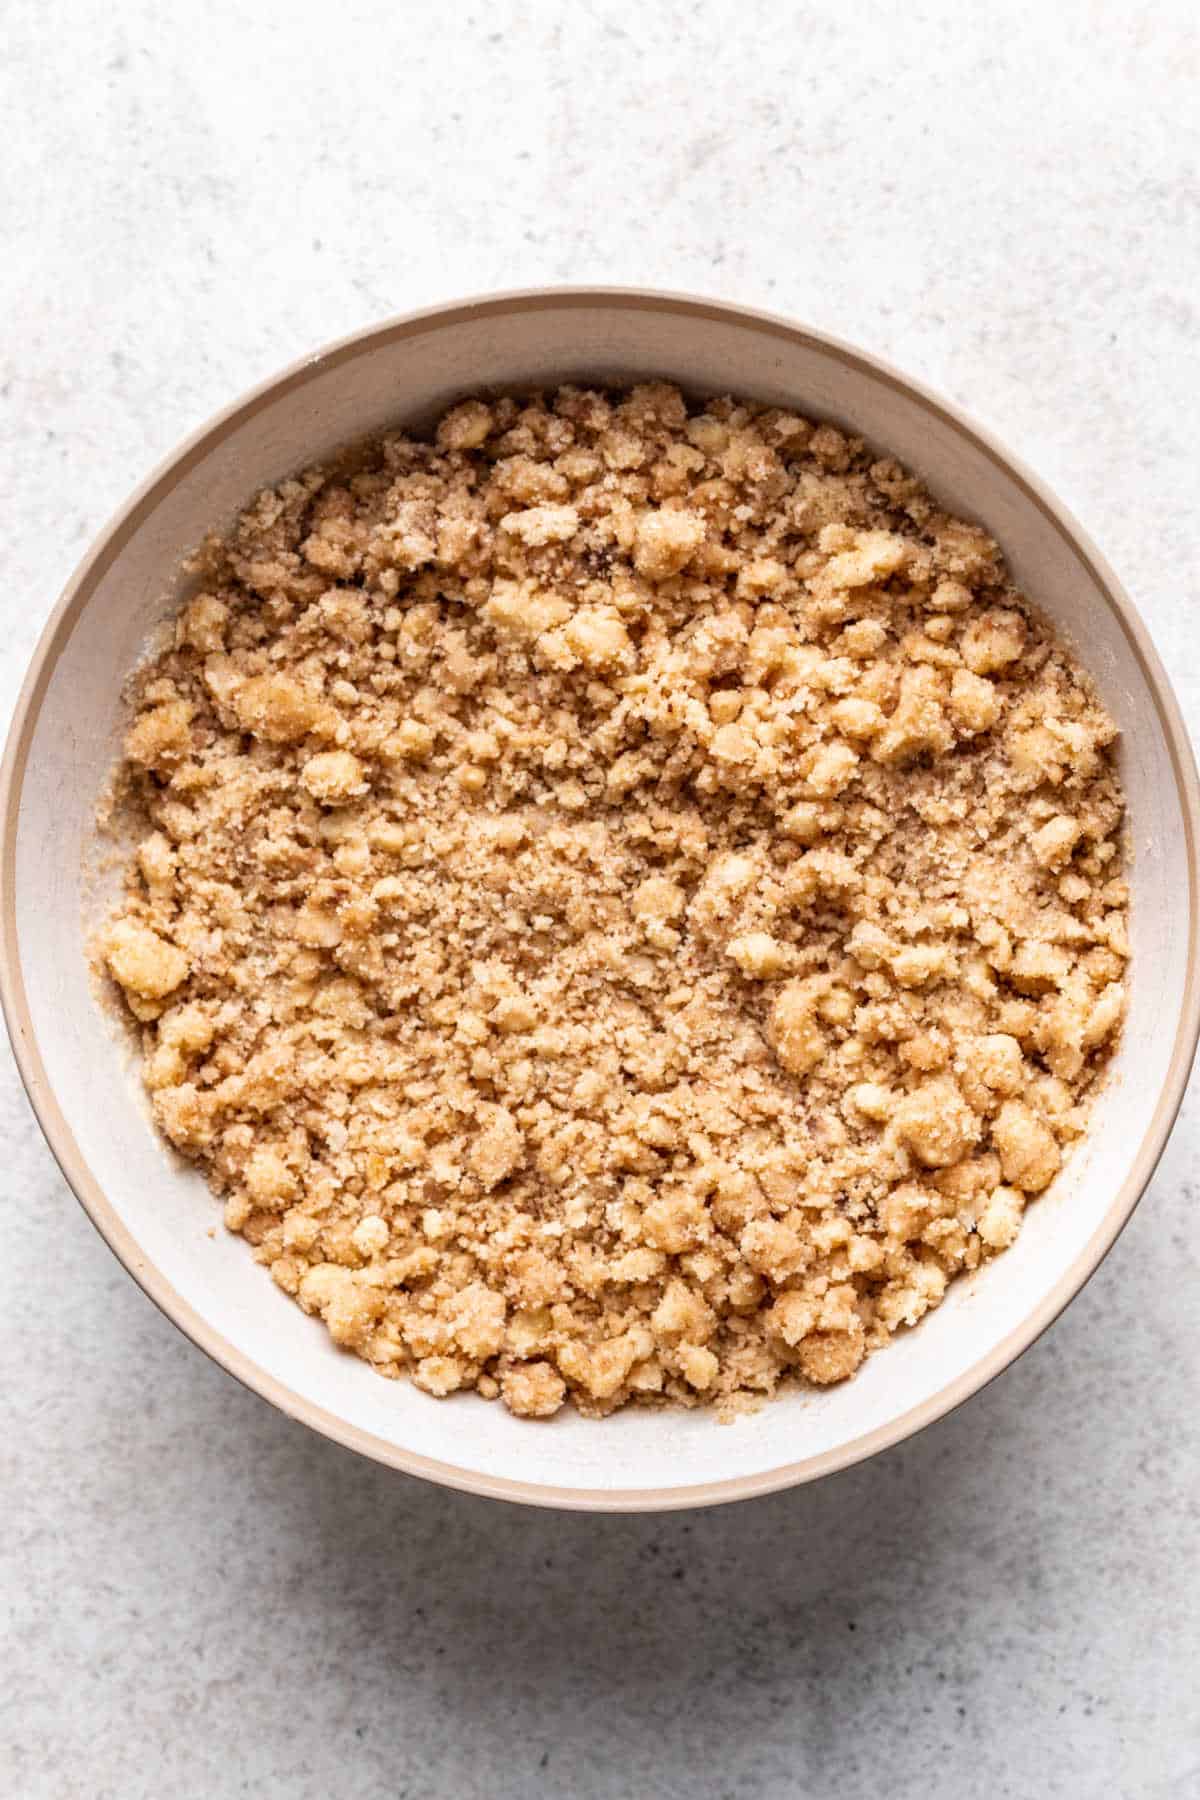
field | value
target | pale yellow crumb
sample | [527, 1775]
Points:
[626, 903]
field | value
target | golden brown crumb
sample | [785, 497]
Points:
[627, 902]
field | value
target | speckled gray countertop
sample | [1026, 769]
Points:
[202, 1599]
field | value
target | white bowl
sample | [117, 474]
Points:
[157, 1215]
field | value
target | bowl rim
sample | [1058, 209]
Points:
[13, 999]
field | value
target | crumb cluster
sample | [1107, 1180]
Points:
[629, 900]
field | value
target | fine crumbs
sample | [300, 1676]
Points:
[627, 900]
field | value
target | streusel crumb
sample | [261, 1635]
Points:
[629, 900]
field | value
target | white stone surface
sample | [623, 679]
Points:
[201, 1598]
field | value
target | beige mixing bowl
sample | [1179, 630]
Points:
[157, 1215]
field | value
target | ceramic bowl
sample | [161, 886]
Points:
[157, 1215]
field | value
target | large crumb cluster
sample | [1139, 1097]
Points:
[628, 901]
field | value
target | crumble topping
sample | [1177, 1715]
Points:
[628, 900]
